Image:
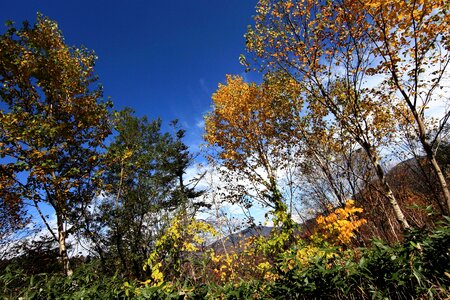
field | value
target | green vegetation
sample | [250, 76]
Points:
[412, 269]
[343, 84]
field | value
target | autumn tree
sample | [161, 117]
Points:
[252, 128]
[323, 46]
[52, 123]
[411, 41]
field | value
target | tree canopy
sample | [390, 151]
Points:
[53, 124]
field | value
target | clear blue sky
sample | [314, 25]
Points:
[162, 58]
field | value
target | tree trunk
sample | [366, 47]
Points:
[386, 187]
[437, 171]
[441, 179]
[62, 245]
[431, 156]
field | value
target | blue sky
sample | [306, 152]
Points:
[162, 58]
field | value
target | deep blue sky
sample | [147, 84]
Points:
[162, 58]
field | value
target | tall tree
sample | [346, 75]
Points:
[253, 129]
[144, 183]
[411, 40]
[323, 46]
[402, 44]
[53, 123]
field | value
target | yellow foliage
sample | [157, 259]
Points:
[225, 266]
[184, 235]
[247, 118]
[255, 257]
[157, 276]
[339, 227]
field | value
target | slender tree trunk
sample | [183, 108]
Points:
[281, 209]
[102, 257]
[411, 101]
[431, 156]
[391, 227]
[62, 245]
[330, 179]
[387, 191]
[444, 187]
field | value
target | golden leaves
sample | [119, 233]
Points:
[339, 226]
[184, 234]
[54, 124]
[246, 117]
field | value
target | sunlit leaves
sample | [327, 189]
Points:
[52, 111]
[339, 226]
[252, 127]
[183, 236]
[330, 49]
[52, 122]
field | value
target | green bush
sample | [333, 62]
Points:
[419, 268]
[86, 283]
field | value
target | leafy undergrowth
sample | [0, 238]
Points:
[419, 268]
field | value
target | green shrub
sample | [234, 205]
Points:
[419, 268]
[85, 283]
